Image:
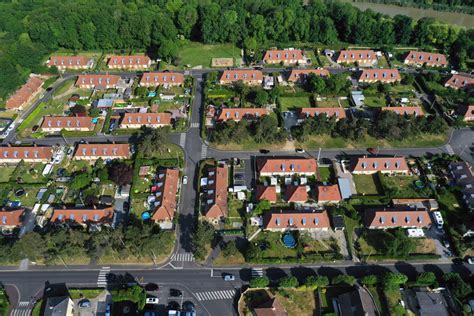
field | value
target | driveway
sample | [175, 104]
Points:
[337, 235]
[97, 307]
[438, 236]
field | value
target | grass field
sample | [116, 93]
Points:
[404, 187]
[298, 302]
[84, 293]
[331, 103]
[292, 103]
[375, 101]
[6, 172]
[236, 259]
[367, 184]
[43, 109]
[326, 174]
[65, 86]
[197, 54]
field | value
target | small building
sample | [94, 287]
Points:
[11, 219]
[338, 222]
[59, 306]
[144, 171]
[415, 232]
[431, 303]
[425, 58]
[380, 75]
[166, 196]
[460, 82]
[429, 204]
[268, 167]
[238, 114]
[344, 188]
[215, 205]
[300, 75]
[268, 193]
[396, 217]
[363, 57]
[167, 96]
[104, 151]
[104, 103]
[129, 62]
[405, 110]
[272, 307]
[296, 193]
[70, 62]
[247, 76]
[83, 216]
[286, 56]
[358, 98]
[137, 120]
[97, 81]
[15, 154]
[467, 113]
[388, 165]
[268, 82]
[52, 124]
[296, 220]
[165, 79]
[106, 200]
[357, 302]
[328, 194]
[306, 113]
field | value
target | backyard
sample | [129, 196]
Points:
[332, 103]
[293, 103]
[326, 174]
[404, 187]
[368, 184]
[51, 107]
[295, 301]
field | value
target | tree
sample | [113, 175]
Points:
[121, 173]
[261, 97]
[426, 279]
[94, 112]
[317, 281]
[369, 280]
[147, 144]
[78, 109]
[316, 83]
[230, 249]
[288, 282]
[202, 239]
[80, 181]
[261, 207]
[259, 282]
[344, 279]
[457, 285]
[392, 280]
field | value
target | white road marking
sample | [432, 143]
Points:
[203, 151]
[194, 125]
[215, 295]
[102, 277]
[182, 139]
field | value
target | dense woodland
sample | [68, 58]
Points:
[29, 30]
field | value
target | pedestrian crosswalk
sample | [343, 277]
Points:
[182, 139]
[257, 272]
[182, 257]
[102, 278]
[449, 149]
[215, 295]
[23, 309]
[203, 151]
[195, 125]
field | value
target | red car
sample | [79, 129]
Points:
[372, 151]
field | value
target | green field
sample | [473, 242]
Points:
[292, 103]
[375, 101]
[367, 184]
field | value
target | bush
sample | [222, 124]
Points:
[230, 249]
[135, 294]
[369, 280]
[392, 280]
[315, 282]
[259, 282]
[426, 279]
[288, 282]
[344, 279]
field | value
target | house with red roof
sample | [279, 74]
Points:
[393, 218]
[271, 307]
[215, 205]
[97, 81]
[425, 58]
[387, 165]
[264, 192]
[247, 76]
[129, 62]
[405, 110]
[93, 152]
[166, 195]
[52, 124]
[83, 216]
[306, 113]
[460, 82]
[380, 75]
[296, 193]
[166, 79]
[328, 194]
[468, 113]
[361, 56]
[300, 75]
[137, 120]
[267, 167]
[70, 62]
[15, 154]
[280, 221]
[11, 219]
[25, 94]
[286, 56]
[238, 114]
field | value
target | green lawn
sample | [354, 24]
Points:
[292, 103]
[6, 172]
[330, 103]
[137, 206]
[65, 86]
[84, 293]
[37, 309]
[326, 174]
[49, 108]
[169, 105]
[367, 184]
[4, 303]
[275, 247]
[236, 207]
[404, 187]
[375, 101]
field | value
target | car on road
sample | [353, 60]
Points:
[175, 293]
[152, 300]
[108, 310]
[470, 260]
[299, 150]
[372, 150]
[239, 176]
[185, 180]
[229, 277]
[151, 287]
[126, 206]
[446, 243]
[4, 135]
[188, 306]
[84, 303]
[264, 151]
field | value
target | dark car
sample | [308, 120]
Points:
[188, 306]
[239, 176]
[49, 89]
[151, 287]
[372, 150]
[173, 306]
[126, 206]
[175, 293]
[84, 303]
[264, 151]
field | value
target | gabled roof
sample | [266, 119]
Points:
[83, 215]
[312, 112]
[97, 80]
[228, 114]
[391, 218]
[57, 306]
[146, 119]
[102, 150]
[290, 165]
[68, 61]
[425, 57]
[295, 220]
[350, 56]
[241, 74]
[357, 302]
[283, 55]
[23, 94]
[328, 193]
[11, 217]
[296, 193]
[468, 112]
[375, 164]
[26, 152]
[160, 78]
[405, 110]
[266, 193]
[297, 74]
[166, 194]
[217, 192]
[67, 122]
[460, 82]
[380, 75]
[131, 60]
[272, 307]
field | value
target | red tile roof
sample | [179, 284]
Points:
[246, 75]
[128, 61]
[146, 119]
[67, 122]
[83, 216]
[460, 82]
[68, 61]
[340, 113]
[102, 150]
[382, 75]
[24, 94]
[166, 194]
[375, 164]
[217, 192]
[350, 56]
[299, 74]
[431, 59]
[293, 165]
[266, 193]
[405, 110]
[285, 55]
[391, 218]
[469, 113]
[97, 80]
[26, 153]
[11, 217]
[237, 114]
[272, 307]
[295, 220]
[296, 193]
[329, 193]
[161, 78]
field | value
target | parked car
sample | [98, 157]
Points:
[264, 151]
[229, 277]
[152, 300]
[239, 176]
[108, 310]
[175, 293]
[126, 206]
[300, 150]
[84, 303]
[470, 260]
[372, 150]
[446, 243]
[185, 180]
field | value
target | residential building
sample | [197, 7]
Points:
[357, 302]
[460, 82]
[397, 217]
[296, 193]
[237, 114]
[405, 110]
[83, 216]
[70, 62]
[166, 195]
[267, 167]
[97, 81]
[468, 113]
[59, 306]
[380, 75]
[248, 76]
[285, 56]
[11, 219]
[25, 94]
[268, 193]
[25, 153]
[103, 151]
[137, 120]
[431, 303]
[463, 174]
[300, 75]
[358, 98]
[53, 124]
[371, 165]
[328, 194]
[296, 220]
[129, 62]
[305, 113]
[166, 79]
[363, 57]
[271, 307]
[216, 195]
[425, 58]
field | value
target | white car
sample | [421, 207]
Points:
[470, 260]
[152, 300]
[185, 180]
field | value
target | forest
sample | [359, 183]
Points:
[30, 30]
